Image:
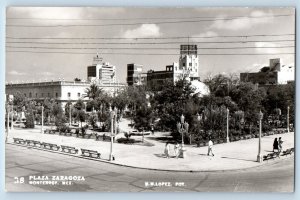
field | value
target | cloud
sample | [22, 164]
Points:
[246, 22]
[267, 50]
[46, 73]
[206, 34]
[145, 30]
[16, 73]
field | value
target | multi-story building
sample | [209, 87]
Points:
[135, 75]
[101, 72]
[188, 61]
[187, 67]
[274, 74]
[63, 91]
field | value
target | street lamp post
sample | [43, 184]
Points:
[42, 128]
[12, 117]
[7, 129]
[70, 115]
[116, 121]
[182, 128]
[288, 119]
[112, 115]
[259, 156]
[227, 127]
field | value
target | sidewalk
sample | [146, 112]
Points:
[228, 156]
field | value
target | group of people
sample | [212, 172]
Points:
[177, 149]
[168, 150]
[277, 145]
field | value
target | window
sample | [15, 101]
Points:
[48, 94]
[42, 94]
[69, 94]
[190, 64]
[183, 64]
[78, 94]
[30, 95]
[56, 94]
[36, 95]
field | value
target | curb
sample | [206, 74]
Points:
[155, 169]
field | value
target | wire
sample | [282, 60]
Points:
[147, 48]
[135, 43]
[151, 38]
[162, 54]
[121, 19]
[140, 23]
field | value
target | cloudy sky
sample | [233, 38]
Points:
[51, 43]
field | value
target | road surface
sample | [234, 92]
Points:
[23, 162]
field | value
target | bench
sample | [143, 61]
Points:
[90, 153]
[19, 141]
[50, 146]
[288, 152]
[68, 149]
[66, 133]
[271, 156]
[34, 143]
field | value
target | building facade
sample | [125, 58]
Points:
[62, 91]
[187, 67]
[135, 75]
[274, 74]
[102, 73]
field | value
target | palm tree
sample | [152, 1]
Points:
[93, 91]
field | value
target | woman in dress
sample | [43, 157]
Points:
[167, 150]
[275, 145]
[176, 150]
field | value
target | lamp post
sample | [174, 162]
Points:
[259, 156]
[182, 128]
[70, 115]
[7, 129]
[198, 117]
[227, 127]
[288, 119]
[12, 117]
[42, 128]
[112, 114]
[116, 120]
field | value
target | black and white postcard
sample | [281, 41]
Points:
[128, 99]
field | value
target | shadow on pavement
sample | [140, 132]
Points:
[239, 159]
[160, 155]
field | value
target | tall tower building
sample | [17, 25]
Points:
[188, 60]
[101, 72]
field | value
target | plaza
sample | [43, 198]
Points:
[150, 154]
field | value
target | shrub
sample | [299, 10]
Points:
[125, 141]
[29, 120]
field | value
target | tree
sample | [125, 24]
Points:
[19, 101]
[29, 119]
[79, 105]
[173, 101]
[93, 91]
[93, 118]
[143, 118]
[80, 116]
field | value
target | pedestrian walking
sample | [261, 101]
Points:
[167, 150]
[176, 150]
[152, 130]
[280, 144]
[275, 145]
[210, 146]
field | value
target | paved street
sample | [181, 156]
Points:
[99, 176]
[228, 156]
